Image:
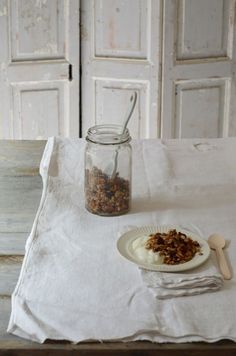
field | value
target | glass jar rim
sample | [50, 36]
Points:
[108, 134]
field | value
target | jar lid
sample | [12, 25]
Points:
[108, 134]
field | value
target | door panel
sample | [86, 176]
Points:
[203, 29]
[116, 93]
[37, 29]
[201, 108]
[33, 124]
[198, 81]
[114, 36]
[40, 49]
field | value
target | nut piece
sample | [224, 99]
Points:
[176, 247]
[106, 195]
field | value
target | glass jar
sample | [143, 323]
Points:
[108, 157]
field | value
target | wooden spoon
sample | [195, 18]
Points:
[217, 243]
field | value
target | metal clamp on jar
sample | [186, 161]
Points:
[108, 170]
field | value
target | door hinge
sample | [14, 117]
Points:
[70, 72]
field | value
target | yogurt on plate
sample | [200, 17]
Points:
[140, 252]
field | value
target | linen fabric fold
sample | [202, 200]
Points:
[170, 285]
[74, 285]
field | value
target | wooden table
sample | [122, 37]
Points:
[20, 191]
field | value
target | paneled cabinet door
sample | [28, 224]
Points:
[120, 54]
[198, 82]
[39, 58]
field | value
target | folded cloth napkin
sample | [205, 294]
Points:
[202, 279]
[167, 285]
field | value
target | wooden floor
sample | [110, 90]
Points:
[20, 191]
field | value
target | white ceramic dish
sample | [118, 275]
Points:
[124, 246]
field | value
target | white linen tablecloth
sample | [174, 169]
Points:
[74, 285]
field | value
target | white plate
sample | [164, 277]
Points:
[124, 246]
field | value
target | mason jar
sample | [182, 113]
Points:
[108, 158]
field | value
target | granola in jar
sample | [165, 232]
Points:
[108, 166]
[106, 195]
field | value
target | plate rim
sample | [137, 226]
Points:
[193, 263]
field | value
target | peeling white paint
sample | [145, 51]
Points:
[40, 3]
[204, 146]
[12, 123]
[3, 66]
[3, 12]
[46, 76]
[50, 48]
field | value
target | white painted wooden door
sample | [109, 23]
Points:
[199, 66]
[39, 77]
[120, 54]
[126, 42]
